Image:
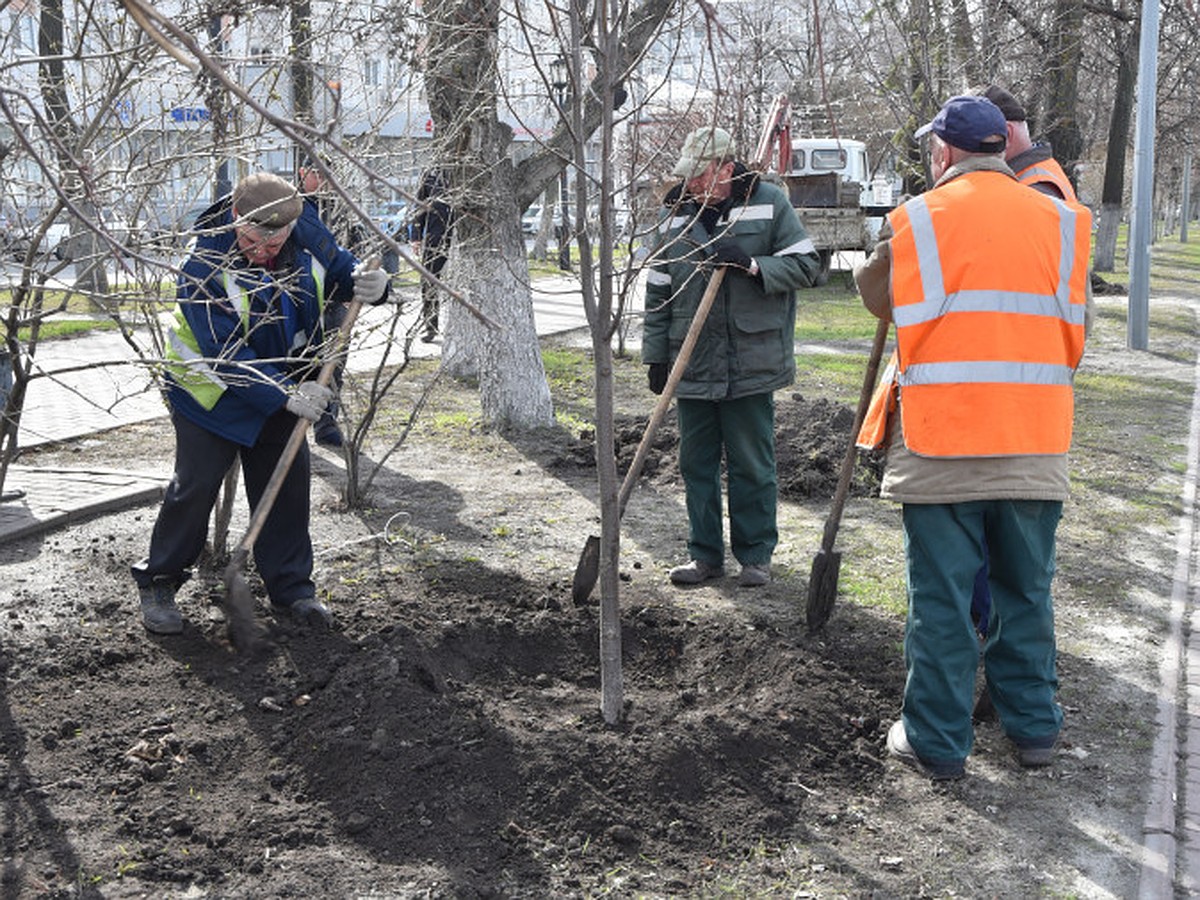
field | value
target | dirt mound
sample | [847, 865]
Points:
[811, 437]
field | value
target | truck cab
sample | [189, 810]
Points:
[835, 172]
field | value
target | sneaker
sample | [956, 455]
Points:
[695, 572]
[327, 433]
[899, 748]
[1035, 757]
[755, 576]
[160, 615]
[311, 612]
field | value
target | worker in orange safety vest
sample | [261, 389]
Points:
[1034, 165]
[983, 412]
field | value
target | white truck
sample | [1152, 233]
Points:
[841, 205]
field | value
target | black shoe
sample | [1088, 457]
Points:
[430, 335]
[327, 434]
[311, 612]
[160, 615]
[1035, 757]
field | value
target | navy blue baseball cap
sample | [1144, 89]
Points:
[966, 122]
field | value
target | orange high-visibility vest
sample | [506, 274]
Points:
[989, 283]
[1050, 172]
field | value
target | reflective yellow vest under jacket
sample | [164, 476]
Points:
[989, 293]
[188, 366]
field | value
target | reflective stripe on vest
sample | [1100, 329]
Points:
[988, 342]
[300, 339]
[1048, 171]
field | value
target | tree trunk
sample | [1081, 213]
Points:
[489, 260]
[1062, 67]
[964, 43]
[301, 62]
[1112, 197]
[83, 243]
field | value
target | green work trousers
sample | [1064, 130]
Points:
[945, 547]
[741, 431]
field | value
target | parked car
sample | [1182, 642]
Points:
[531, 219]
[21, 232]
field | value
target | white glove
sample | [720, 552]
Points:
[308, 400]
[369, 284]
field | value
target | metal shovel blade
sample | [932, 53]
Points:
[245, 633]
[822, 587]
[586, 571]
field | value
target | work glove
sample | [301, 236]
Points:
[369, 284]
[657, 374]
[309, 400]
[728, 252]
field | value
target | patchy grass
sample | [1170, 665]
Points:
[57, 329]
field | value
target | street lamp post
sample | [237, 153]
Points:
[558, 72]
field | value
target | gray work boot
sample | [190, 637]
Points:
[695, 572]
[1035, 757]
[310, 611]
[755, 575]
[160, 615]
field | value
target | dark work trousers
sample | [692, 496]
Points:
[742, 431]
[434, 259]
[283, 550]
[944, 545]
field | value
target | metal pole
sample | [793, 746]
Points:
[1143, 181]
[564, 233]
[1185, 202]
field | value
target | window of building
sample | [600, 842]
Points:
[371, 70]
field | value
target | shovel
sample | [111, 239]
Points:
[823, 580]
[245, 632]
[588, 568]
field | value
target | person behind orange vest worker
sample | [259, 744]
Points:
[977, 452]
[1033, 163]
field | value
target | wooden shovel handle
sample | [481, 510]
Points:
[673, 379]
[847, 472]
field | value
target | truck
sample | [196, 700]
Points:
[830, 184]
[831, 187]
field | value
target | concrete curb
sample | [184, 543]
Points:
[1168, 840]
[53, 497]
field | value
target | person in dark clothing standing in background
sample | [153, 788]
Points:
[430, 234]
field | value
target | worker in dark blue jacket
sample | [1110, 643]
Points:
[240, 367]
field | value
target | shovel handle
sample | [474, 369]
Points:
[847, 472]
[668, 392]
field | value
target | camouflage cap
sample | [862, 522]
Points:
[700, 148]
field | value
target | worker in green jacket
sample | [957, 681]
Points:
[723, 215]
